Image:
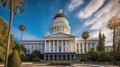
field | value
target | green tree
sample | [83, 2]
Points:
[118, 47]
[85, 36]
[92, 55]
[15, 6]
[23, 55]
[113, 24]
[22, 51]
[2, 54]
[3, 36]
[101, 43]
[22, 29]
[14, 60]
[104, 56]
[35, 56]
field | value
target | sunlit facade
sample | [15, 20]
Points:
[60, 43]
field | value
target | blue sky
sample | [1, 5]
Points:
[82, 15]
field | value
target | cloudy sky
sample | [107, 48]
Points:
[90, 15]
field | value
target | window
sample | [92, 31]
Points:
[77, 50]
[55, 43]
[64, 49]
[59, 48]
[52, 44]
[32, 45]
[88, 46]
[77, 46]
[81, 45]
[81, 50]
[51, 50]
[93, 45]
[64, 43]
[28, 51]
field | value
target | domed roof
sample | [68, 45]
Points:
[60, 15]
[60, 23]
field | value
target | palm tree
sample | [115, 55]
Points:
[22, 29]
[85, 36]
[113, 23]
[15, 6]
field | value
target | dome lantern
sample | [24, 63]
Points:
[60, 10]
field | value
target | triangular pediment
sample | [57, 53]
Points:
[60, 35]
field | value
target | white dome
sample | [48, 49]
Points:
[60, 23]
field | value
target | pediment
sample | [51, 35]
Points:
[60, 35]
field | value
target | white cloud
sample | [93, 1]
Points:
[26, 35]
[100, 19]
[107, 32]
[92, 7]
[74, 4]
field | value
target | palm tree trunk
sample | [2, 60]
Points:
[21, 36]
[114, 47]
[85, 45]
[9, 31]
[21, 42]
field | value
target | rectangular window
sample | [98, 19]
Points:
[64, 43]
[64, 49]
[81, 50]
[55, 43]
[77, 50]
[51, 43]
[93, 45]
[77, 46]
[81, 45]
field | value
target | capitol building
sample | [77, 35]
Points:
[60, 43]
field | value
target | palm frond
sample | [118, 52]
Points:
[114, 22]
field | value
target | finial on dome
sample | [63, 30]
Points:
[60, 10]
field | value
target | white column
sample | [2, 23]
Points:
[70, 46]
[95, 46]
[62, 46]
[49, 46]
[45, 47]
[86, 47]
[83, 47]
[53, 46]
[73, 45]
[66, 46]
[79, 47]
[90, 46]
[57, 45]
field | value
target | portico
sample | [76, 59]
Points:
[59, 46]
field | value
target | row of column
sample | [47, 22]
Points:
[82, 48]
[34, 46]
[58, 46]
[53, 57]
[60, 29]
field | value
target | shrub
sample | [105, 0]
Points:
[14, 60]
[104, 56]
[92, 55]
[35, 56]
[36, 59]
